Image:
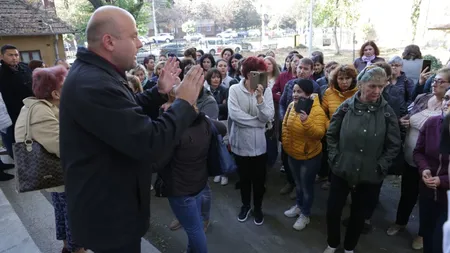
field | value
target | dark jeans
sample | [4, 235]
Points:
[304, 172]
[370, 208]
[252, 176]
[134, 247]
[8, 140]
[409, 194]
[206, 203]
[272, 150]
[61, 220]
[362, 195]
[324, 167]
[188, 210]
[285, 161]
[432, 216]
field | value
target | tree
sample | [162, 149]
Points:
[245, 15]
[337, 14]
[415, 15]
[189, 27]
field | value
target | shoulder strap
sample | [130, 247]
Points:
[28, 136]
[405, 86]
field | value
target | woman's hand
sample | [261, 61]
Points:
[259, 93]
[303, 116]
[404, 121]
[426, 178]
[424, 76]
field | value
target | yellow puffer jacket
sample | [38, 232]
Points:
[301, 140]
[333, 98]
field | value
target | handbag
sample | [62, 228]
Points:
[220, 161]
[37, 169]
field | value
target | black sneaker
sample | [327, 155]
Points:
[245, 212]
[4, 166]
[259, 217]
[5, 176]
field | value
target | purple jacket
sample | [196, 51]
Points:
[427, 156]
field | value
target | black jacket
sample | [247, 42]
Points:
[108, 146]
[186, 173]
[15, 86]
[220, 95]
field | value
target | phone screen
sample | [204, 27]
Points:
[425, 64]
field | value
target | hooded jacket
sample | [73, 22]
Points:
[363, 140]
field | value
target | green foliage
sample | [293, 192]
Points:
[246, 16]
[336, 13]
[369, 32]
[189, 26]
[436, 64]
[415, 14]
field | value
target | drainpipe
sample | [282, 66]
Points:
[55, 42]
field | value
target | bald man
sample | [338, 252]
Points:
[109, 145]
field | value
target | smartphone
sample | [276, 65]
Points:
[257, 77]
[304, 104]
[425, 64]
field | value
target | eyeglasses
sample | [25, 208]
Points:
[439, 81]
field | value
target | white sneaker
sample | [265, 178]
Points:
[349, 251]
[216, 179]
[294, 211]
[301, 222]
[151, 187]
[329, 250]
[224, 180]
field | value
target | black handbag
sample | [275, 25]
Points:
[36, 168]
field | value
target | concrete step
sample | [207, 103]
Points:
[28, 222]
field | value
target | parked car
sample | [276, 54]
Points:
[163, 37]
[227, 34]
[254, 33]
[173, 48]
[193, 37]
[242, 34]
[144, 40]
[142, 53]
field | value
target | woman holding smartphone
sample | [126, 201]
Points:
[304, 126]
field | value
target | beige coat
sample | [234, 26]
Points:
[44, 126]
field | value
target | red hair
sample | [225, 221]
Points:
[47, 80]
[253, 63]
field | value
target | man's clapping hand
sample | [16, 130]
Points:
[168, 76]
[191, 85]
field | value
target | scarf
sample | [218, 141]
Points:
[368, 60]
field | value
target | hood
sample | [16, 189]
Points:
[373, 106]
[29, 101]
[346, 94]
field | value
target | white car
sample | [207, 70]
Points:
[163, 37]
[144, 40]
[193, 37]
[227, 34]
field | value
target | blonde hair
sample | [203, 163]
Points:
[138, 68]
[160, 64]
[134, 83]
[444, 71]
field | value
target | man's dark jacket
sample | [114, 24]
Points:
[15, 86]
[108, 146]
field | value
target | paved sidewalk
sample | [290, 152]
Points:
[14, 238]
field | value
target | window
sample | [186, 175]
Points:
[208, 28]
[27, 56]
[199, 29]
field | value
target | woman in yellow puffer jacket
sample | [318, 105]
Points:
[301, 135]
[342, 85]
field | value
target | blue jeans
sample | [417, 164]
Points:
[8, 140]
[188, 210]
[62, 223]
[432, 216]
[304, 173]
[206, 203]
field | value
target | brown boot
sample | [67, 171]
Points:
[205, 225]
[175, 225]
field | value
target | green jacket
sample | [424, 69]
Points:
[363, 140]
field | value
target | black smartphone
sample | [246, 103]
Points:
[257, 77]
[425, 64]
[304, 104]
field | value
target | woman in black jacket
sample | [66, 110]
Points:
[186, 176]
[213, 83]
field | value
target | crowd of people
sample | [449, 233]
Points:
[114, 123]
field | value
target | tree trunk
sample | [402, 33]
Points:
[336, 43]
[96, 3]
